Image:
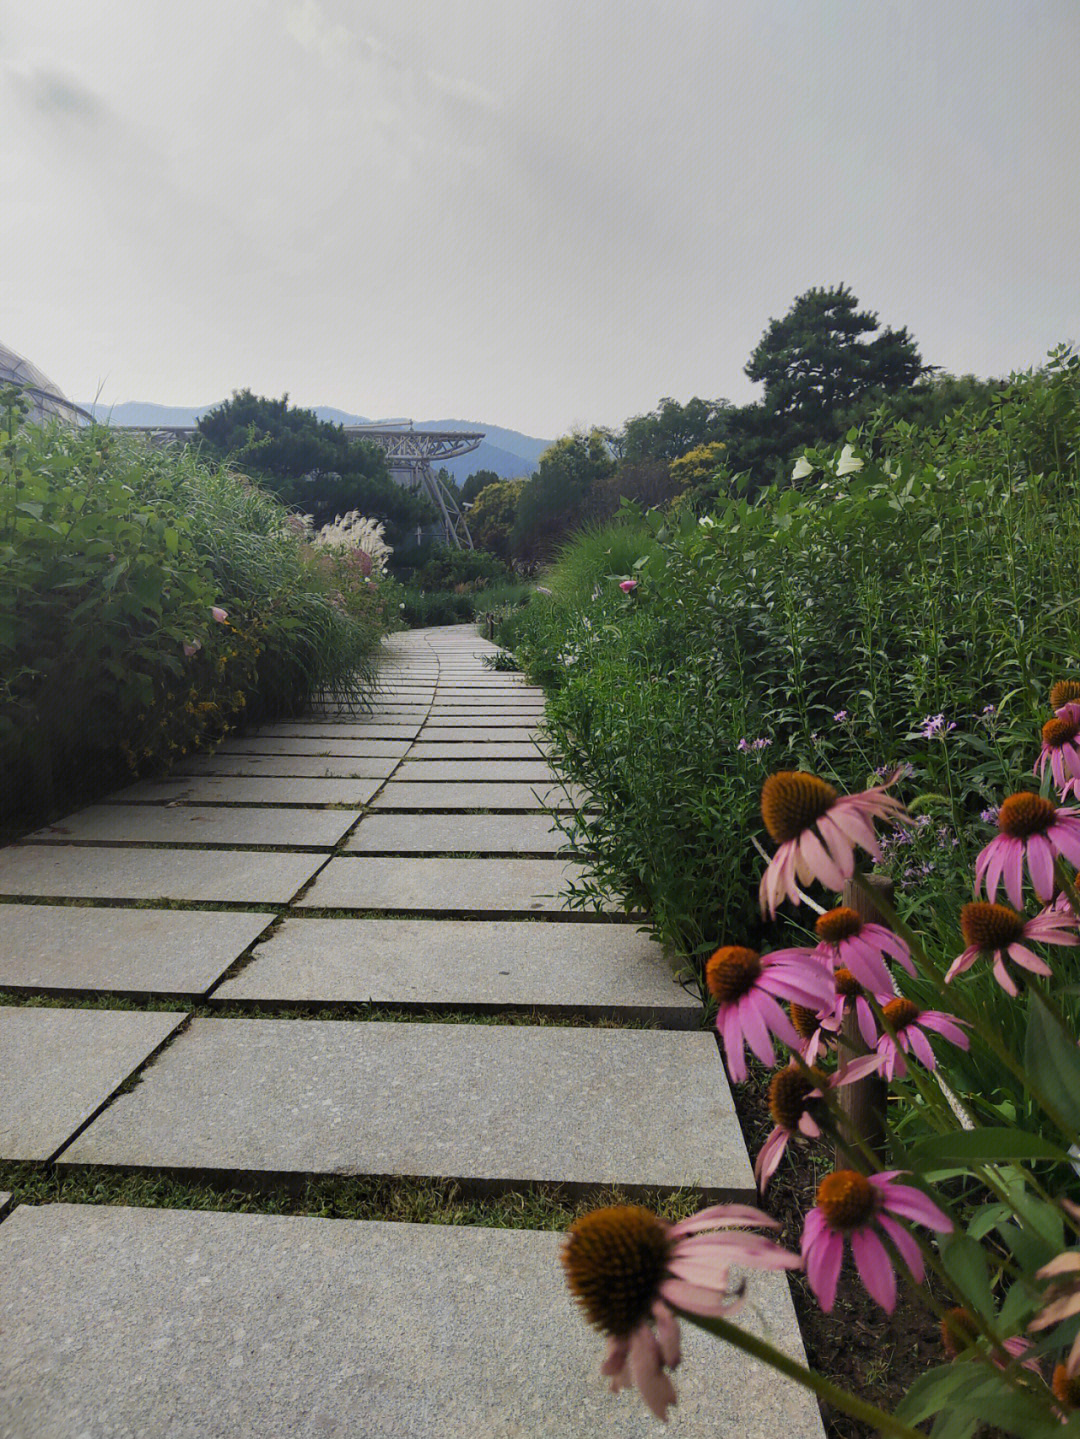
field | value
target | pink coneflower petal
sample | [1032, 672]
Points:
[875, 1270]
[769, 1157]
[728, 1215]
[645, 1363]
[1040, 861]
[1003, 977]
[667, 1334]
[906, 1244]
[823, 1258]
[910, 1203]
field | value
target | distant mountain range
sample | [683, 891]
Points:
[507, 452]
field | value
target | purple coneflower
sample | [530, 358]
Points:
[1032, 830]
[959, 1333]
[817, 830]
[627, 585]
[630, 1270]
[1064, 692]
[1059, 747]
[909, 1024]
[746, 986]
[1062, 1299]
[850, 994]
[995, 930]
[848, 941]
[807, 1025]
[847, 1207]
[792, 1100]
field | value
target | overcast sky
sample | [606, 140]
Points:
[534, 215]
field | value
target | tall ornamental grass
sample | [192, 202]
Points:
[148, 603]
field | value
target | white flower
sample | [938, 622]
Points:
[848, 461]
[707, 521]
[803, 467]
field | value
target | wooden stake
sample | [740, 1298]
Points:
[863, 1103]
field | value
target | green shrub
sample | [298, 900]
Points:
[818, 628]
[114, 557]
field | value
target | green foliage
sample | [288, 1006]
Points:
[493, 516]
[815, 360]
[453, 607]
[477, 481]
[309, 463]
[448, 569]
[928, 581]
[113, 556]
[559, 494]
[670, 430]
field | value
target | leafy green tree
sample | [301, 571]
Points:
[476, 482]
[309, 463]
[559, 494]
[816, 359]
[671, 429]
[492, 516]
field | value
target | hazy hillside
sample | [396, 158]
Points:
[508, 452]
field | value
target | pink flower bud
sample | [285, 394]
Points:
[219, 614]
[192, 648]
[627, 585]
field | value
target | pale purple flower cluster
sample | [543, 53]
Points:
[840, 716]
[745, 745]
[934, 725]
[989, 816]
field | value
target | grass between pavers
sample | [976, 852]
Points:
[412, 1201]
[360, 1010]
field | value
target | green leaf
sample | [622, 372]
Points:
[1053, 1061]
[983, 1146]
[27, 507]
[965, 1264]
[172, 540]
[930, 1392]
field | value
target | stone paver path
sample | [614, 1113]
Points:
[400, 860]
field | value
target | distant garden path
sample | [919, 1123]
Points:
[390, 883]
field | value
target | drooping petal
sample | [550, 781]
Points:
[1040, 862]
[1002, 975]
[756, 1031]
[920, 1046]
[962, 963]
[875, 1270]
[647, 1372]
[822, 1256]
[911, 1203]
[694, 1299]
[726, 1215]
[769, 1157]
[906, 1244]
[667, 1334]
[821, 863]
[615, 1362]
[1014, 874]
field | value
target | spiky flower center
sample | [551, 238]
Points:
[732, 972]
[848, 1200]
[838, 924]
[792, 801]
[847, 986]
[614, 1261]
[958, 1331]
[1025, 814]
[787, 1096]
[1066, 1390]
[1060, 730]
[900, 1013]
[1065, 692]
[805, 1021]
[990, 926]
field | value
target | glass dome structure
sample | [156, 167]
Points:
[47, 401]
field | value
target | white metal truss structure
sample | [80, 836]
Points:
[409, 456]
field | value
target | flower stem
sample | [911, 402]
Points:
[849, 1404]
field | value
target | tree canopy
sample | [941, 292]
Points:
[309, 463]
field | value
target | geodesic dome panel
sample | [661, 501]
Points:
[47, 401]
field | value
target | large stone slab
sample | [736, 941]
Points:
[626, 1107]
[515, 886]
[209, 825]
[81, 872]
[480, 720]
[314, 729]
[132, 952]
[529, 771]
[289, 745]
[455, 834]
[482, 964]
[477, 734]
[291, 766]
[235, 789]
[471, 796]
[61, 1065]
[474, 749]
[122, 1322]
